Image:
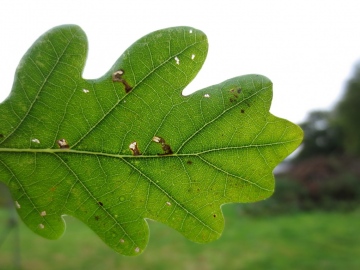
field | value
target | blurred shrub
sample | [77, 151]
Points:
[320, 183]
[5, 197]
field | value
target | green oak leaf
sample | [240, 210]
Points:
[129, 146]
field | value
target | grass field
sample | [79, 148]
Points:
[300, 241]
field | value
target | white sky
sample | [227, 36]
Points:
[307, 48]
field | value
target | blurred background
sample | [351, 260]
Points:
[311, 52]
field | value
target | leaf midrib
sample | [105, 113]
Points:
[86, 152]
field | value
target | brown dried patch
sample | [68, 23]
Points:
[117, 77]
[134, 149]
[63, 143]
[165, 147]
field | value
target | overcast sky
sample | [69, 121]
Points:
[307, 48]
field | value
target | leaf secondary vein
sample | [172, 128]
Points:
[134, 88]
[217, 117]
[41, 87]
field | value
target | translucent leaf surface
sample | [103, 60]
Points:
[129, 146]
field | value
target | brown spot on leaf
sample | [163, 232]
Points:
[242, 111]
[189, 162]
[117, 77]
[165, 147]
[134, 149]
[214, 215]
[97, 217]
[235, 92]
[62, 143]
[1, 135]
[100, 203]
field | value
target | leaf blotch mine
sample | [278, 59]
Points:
[17, 205]
[117, 77]
[35, 140]
[165, 147]
[134, 149]
[63, 144]
[177, 60]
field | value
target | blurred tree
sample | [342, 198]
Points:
[322, 136]
[347, 114]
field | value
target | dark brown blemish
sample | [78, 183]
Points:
[1, 135]
[62, 143]
[235, 92]
[134, 149]
[214, 215]
[97, 217]
[189, 162]
[100, 203]
[242, 111]
[165, 147]
[117, 77]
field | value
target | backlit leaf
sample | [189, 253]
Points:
[129, 146]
